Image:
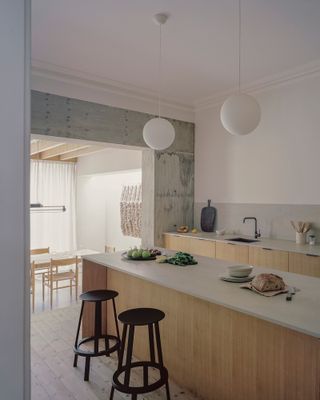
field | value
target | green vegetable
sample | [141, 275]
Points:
[146, 254]
[135, 254]
[182, 259]
[129, 253]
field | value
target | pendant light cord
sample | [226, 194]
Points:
[239, 46]
[160, 70]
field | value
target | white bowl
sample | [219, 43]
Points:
[221, 232]
[240, 271]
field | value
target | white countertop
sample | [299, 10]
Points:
[275, 244]
[202, 281]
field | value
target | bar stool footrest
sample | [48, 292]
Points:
[163, 380]
[88, 353]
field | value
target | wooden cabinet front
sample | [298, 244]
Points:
[305, 264]
[232, 252]
[177, 243]
[200, 247]
[269, 258]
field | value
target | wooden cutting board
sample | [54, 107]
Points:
[208, 215]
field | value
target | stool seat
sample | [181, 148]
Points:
[141, 316]
[98, 295]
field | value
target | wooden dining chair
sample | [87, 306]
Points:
[37, 268]
[43, 250]
[109, 249]
[55, 276]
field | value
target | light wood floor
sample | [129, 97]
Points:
[53, 376]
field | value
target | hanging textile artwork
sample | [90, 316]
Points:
[130, 210]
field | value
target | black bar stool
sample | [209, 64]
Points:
[96, 297]
[139, 317]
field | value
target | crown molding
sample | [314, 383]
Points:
[285, 78]
[79, 78]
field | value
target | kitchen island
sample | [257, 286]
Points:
[220, 341]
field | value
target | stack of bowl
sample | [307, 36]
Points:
[238, 273]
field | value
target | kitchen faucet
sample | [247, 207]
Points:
[257, 233]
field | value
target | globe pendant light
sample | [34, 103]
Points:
[159, 133]
[240, 114]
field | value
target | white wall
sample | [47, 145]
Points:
[277, 164]
[14, 201]
[99, 185]
[109, 160]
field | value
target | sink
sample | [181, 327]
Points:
[242, 240]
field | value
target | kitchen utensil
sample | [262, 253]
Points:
[291, 292]
[301, 229]
[300, 238]
[306, 227]
[208, 215]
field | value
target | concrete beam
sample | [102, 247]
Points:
[71, 118]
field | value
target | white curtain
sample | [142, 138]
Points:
[53, 184]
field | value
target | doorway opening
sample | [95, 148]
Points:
[86, 199]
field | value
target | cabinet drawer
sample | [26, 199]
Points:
[232, 252]
[201, 247]
[177, 243]
[269, 258]
[304, 264]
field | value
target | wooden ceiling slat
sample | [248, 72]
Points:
[61, 149]
[37, 146]
[57, 158]
[58, 151]
[82, 152]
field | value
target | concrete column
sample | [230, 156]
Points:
[167, 193]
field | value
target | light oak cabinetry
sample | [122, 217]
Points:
[178, 243]
[200, 247]
[232, 252]
[305, 264]
[299, 263]
[265, 360]
[269, 258]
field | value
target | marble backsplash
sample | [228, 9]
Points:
[273, 219]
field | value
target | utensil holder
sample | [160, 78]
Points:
[300, 238]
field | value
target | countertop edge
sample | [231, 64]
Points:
[316, 335]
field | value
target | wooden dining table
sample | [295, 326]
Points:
[43, 258]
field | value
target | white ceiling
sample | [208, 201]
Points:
[117, 40]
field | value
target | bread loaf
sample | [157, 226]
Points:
[268, 282]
